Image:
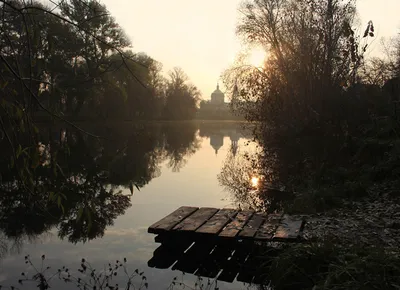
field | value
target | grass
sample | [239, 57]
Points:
[330, 267]
[88, 278]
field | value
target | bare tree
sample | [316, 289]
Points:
[311, 53]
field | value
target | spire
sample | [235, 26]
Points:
[217, 86]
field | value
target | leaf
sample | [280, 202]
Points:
[35, 158]
[89, 217]
[3, 85]
[366, 32]
[19, 150]
[35, 129]
[19, 113]
[80, 212]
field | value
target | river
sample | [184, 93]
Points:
[153, 170]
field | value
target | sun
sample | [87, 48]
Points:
[256, 57]
[254, 181]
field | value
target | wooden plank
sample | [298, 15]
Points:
[235, 262]
[252, 226]
[267, 230]
[166, 255]
[196, 220]
[216, 261]
[234, 227]
[169, 238]
[289, 228]
[218, 221]
[245, 277]
[171, 220]
[191, 260]
[253, 267]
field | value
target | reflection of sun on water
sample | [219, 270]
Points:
[256, 57]
[254, 181]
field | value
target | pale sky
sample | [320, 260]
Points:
[199, 36]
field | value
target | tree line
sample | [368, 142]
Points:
[81, 184]
[315, 73]
[327, 116]
[74, 60]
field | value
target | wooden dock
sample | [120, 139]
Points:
[229, 224]
[220, 243]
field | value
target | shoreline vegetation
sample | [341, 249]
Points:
[329, 133]
[326, 121]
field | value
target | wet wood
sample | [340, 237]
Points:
[235, 262]
[289, 228]
[165, 255]
[216, 261]
[268, 228]
[221, 244]
[228, 275]
[252, 226]
[215, 224]
[190, 261]
[253, 267]
[171, 220]
[196, 220]
[226, 226]
[234, 227]
[245, 277]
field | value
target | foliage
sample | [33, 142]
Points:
[326, 266]
[76, 62]
[327, 118]
[181, 97]
[88, 279]
[93, 180]
[92, 278]
[200, 284]
[312, 54]
[73, 62]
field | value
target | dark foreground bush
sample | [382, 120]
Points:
[329, 267]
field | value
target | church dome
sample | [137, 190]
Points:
[218, 91]
[217, 96]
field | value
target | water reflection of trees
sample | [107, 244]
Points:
[79, 188]
[252, 184]
[181, 141]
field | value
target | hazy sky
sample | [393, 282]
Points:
[199, 36]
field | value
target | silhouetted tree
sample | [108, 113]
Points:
[181, 141]
[181, 96]
[312, 52]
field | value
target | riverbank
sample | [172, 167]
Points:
[371, 222]
[355, 246]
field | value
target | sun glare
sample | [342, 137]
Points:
[254, 181]
[256, 57]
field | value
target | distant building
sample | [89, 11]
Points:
[217, 97]
[216, 108]
[216, 141]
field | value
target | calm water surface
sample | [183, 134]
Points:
[184, 173]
